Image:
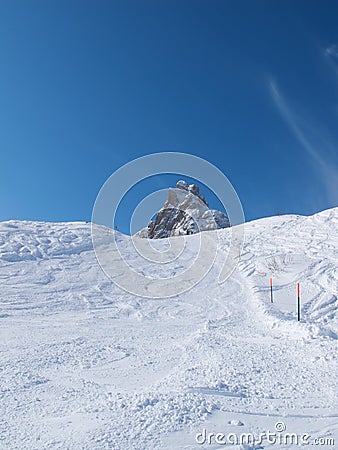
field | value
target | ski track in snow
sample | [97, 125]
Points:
[85, 365]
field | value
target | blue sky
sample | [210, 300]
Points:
[87, 86]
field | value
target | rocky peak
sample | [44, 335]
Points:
[192, 188]
[184, 212]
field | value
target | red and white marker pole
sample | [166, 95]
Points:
[271, 297]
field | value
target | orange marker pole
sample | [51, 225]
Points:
[298, 298]
[271, 298]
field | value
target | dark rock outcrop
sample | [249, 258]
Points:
[184, 212]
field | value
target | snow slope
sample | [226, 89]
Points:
[84, 365]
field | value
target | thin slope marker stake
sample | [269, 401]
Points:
[298, 298]
[271, 297]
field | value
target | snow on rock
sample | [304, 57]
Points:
[184, 212]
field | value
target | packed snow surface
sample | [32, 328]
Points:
[85, 365]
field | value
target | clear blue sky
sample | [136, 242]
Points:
[86, 86]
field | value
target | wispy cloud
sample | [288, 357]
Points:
[330, 56]
[332, 51]
[316, 142]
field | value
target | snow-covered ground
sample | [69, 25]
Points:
[85, 365]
